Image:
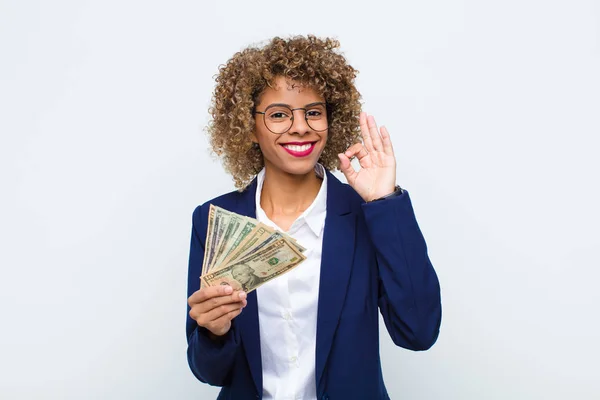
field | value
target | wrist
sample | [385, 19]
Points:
[396, 192]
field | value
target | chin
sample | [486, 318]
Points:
[298, 167]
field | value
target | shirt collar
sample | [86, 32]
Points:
[314, 215]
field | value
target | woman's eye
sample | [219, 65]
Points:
[313, 113]
[278, 115]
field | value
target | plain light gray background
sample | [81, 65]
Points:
[494, 112]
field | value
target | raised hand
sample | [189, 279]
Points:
[377, 175]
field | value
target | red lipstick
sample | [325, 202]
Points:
[299, 149]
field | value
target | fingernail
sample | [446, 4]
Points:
[242, 295]
[228, 289]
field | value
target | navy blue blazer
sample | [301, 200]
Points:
[374, 258]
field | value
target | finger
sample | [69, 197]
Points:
[217, 325]
[387, 141]
[364, 130]
[203, 317]
[212, 292]
[357, 150]
[217, 301]
[347, 168]
[218, 312]
[209, 292]
[375, 137]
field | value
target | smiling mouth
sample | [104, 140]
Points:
[299, 149]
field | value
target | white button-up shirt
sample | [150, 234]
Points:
[287, 307]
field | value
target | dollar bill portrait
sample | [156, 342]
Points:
[246, 276]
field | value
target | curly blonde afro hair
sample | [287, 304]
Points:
[310, 61]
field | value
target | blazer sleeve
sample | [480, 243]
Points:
[409, 291]
[210, 361]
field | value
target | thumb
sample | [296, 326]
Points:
[346, 168]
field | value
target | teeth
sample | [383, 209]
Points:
[295, 147]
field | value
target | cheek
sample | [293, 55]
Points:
[265, 140]
[324, 139]
[268, 145]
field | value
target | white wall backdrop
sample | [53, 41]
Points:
[494, 111]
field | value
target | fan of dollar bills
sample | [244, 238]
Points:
[244, 253]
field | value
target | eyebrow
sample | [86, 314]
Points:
[319, 103]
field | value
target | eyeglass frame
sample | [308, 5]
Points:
[327, 115]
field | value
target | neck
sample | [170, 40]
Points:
[287, 194]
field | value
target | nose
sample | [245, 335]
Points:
[299, 124]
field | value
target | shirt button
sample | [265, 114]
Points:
[287, 316]
[293, 359]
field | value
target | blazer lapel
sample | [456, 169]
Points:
[336, 264]
[247, 321]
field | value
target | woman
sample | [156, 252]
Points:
[283, 116]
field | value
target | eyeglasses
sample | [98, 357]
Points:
[279, 118]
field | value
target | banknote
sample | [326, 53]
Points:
[231, 223]
[210, 232]
[258, 235]
[232, 238]
[272, 238]
[250, 272]
[293, 241]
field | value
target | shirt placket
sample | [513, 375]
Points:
[293, 342]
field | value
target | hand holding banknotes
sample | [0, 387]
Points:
[240, 254]
[214, 307]
[243, 253]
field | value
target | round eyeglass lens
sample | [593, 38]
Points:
[279, 119]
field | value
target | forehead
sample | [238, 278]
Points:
[290, 92]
